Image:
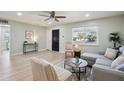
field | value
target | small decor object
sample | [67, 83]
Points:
[77, 61]
[29, 34]
[115, 38]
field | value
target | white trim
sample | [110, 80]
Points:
[42, 49]
[20, 53]
[61, 51]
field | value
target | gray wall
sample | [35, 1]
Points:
[106, 26]
[18, 36]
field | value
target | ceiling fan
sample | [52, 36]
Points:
[52, 16]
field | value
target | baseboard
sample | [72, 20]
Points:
[42, 49]
[61, 51]
[20, 53]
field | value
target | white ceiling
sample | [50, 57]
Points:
[32, 17]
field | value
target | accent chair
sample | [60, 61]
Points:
[44, 71]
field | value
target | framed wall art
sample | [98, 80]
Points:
[29, 34]
[85, 35]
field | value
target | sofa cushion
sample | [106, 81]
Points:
[117, 61]
[111, 53]
[91, 56]
[104, 61]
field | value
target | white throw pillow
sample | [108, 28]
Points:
[117, 61]
[111, 53]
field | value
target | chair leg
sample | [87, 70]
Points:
[64, 65]
[65, 54]
[71, 54]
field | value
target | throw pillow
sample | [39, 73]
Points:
[123, 52]
[121, 49]
[120, 67]
[111, 53]
[117, 61]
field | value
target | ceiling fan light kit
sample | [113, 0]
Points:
[52, 16]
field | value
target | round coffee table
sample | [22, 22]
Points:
[77, 68]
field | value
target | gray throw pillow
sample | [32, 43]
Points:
[120, 67]
[121, 49]
[123, 52]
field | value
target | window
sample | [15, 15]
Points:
[85, 35]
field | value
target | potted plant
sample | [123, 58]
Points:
[115, 38]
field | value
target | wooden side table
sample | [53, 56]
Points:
[77, 53]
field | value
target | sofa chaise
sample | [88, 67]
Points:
[101, 68]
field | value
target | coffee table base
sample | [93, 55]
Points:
[78, 73]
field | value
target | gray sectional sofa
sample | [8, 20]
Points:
[101, 68]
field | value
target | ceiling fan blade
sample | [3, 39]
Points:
[56, 20]
[60, 16]
[43, 15]
[46, 11]
[47, 19]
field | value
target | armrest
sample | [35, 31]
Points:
[63, 74]
[101, 73]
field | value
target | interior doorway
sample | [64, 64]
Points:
[55, 40]
[4, 38]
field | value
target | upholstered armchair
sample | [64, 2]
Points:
[69, 51]
[44, 71]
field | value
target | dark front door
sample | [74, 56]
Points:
[55, 40]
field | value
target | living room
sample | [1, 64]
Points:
[35, 29]
[51, 46]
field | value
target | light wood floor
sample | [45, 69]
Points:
[18, 68]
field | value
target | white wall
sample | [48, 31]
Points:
[106, 26]
[122, 35]
[18, 36]
[0, 40]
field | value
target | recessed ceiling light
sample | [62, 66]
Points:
[87, 15]
[19, 14]
[50, 23]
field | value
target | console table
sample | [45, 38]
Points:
[31, 46]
